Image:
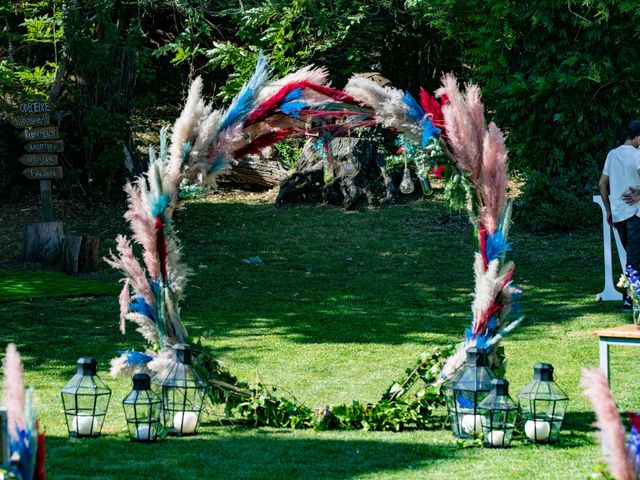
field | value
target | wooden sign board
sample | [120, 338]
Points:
[31, 121]
[43, 173]
[45, 146]
[41, 133]
[35, 107]
[39, 159]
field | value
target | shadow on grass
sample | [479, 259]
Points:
[385, 276]
[238, 455]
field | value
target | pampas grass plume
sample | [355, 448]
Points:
[620, 460]
[13, 386]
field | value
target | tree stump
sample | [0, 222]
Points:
[43, 242]
[71, 249]
[370, 185]
[81, 253]
[257, 170]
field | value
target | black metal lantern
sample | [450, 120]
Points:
[85, 399]
[543, 404]
[468, 386]
[499, 413]
[182, 390]
[142, 409]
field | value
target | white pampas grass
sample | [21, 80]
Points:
[454, 362]
[309, 73]
[161, 360]
[388, 105]
[185, 130]
[146, 327]
[207, 136]
[120, 367]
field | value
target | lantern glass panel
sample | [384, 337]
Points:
[183, 392]
[465, 390]
[499, 413]
[85, 399]
[143, 409]
[543, 404]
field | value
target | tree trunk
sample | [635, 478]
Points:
[81, 253]
[43, 242]
[257, 171]
[359, 178]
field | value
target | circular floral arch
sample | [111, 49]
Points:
[205, 141]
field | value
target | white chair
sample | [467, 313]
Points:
[609, 292]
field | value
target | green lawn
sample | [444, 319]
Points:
[343, 303]
[25, 285]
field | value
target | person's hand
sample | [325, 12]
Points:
[631, 196]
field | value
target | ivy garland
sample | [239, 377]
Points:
[401, 406]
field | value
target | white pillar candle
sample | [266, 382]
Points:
[185, 422]
[144, 432]
[496, 438]
[85, 424]
[537, 430]
[471, 423]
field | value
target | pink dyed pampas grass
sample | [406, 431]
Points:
[464, 124]
[13, 386]
[142, 224]
[493, 177]
[129, 265]
[620, 459]
[478, 150]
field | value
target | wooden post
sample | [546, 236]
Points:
[46, 202]
[42, 241]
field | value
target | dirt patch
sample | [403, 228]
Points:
[95, 219]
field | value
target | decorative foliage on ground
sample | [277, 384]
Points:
[401, 407]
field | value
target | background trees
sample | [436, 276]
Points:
[561, 78]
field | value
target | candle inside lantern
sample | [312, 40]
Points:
[144, 432]
[471, 423]
[537, 430]
[85, 424]
[496, 438]
[185, 422]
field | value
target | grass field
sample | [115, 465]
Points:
[341, 305]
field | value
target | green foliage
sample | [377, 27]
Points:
[600, 472]
[191, 191]
[458, 189]
[29, 45]
[288, 153]
[260, 405]
[99, 35]
[561, 79]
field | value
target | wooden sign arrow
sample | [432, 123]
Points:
[31, 121]
[39, 159]
[41, 133]
[35, 107]
[43, 173]
[45, 147]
